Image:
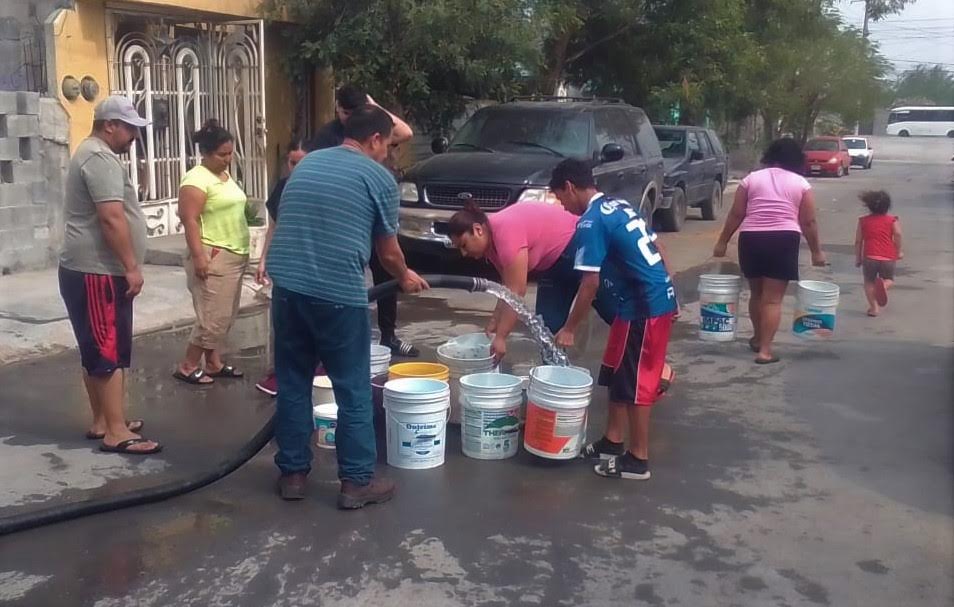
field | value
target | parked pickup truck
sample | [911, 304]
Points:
[696, 173]
[504, 155]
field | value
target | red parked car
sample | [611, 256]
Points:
[827, 156]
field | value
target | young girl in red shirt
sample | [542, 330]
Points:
[877, 248]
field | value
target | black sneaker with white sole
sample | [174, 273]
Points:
[602, 449]
[626, 466]
[400, 347]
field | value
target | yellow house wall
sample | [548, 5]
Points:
[79, 39]
[80, 49]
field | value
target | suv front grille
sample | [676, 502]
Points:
[456, 196]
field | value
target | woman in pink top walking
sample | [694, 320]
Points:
[773, 208]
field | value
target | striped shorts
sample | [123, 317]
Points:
[102, 318]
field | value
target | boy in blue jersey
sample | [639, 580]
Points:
[614, 239]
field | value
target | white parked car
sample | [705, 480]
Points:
[860, 151]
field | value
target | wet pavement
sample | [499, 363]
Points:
[823, 480]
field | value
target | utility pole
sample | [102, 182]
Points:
[864, 29]
[864, 37]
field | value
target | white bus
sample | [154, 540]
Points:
[912, 121]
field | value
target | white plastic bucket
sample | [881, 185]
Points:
[380, 359]
[322, 390]
[417, 411]
[490, 415]
[557, 403]
[326, 423]
[718, 306]
[464, 355]
[816, 305]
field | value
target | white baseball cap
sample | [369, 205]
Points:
[117, 107]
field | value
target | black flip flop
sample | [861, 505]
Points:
[767, 361]
[752, 345]
[194, 378]
[124, 447]
[133, 425]
[227, 371]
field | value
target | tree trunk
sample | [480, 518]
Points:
[769, 122]
[557, 61]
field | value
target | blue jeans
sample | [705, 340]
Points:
[308, 329]
[557, 287]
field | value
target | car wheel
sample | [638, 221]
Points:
[840, 172]
[904, 134]
[672, 219]
[712, 206]
[950, 134]
[848, 169]
[870, 162]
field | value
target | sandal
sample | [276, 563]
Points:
[133, 425]
[227, 371]
[194, 378]
[767, 361]
[753, 345]
[124, 447]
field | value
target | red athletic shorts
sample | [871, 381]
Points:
[102, 319]
[634, 359]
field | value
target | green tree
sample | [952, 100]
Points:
[925, 85]
[574, 29]
[424, 57]
[809, 63]
[877, 10]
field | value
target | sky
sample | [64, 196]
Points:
[922, 33]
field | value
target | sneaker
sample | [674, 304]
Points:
[400, 348]
[602, 449]
[354, 496]
[626, 466]
[291, 487]
[881, 292]
[268, 385]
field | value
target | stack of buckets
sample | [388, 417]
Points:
[464, 355]
[816, 305]
[326, 411]
[416, 405]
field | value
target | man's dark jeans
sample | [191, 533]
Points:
[308, 329]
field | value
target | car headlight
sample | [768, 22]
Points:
[409, 192]
[833, 160]
[538, 195]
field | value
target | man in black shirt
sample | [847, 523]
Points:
[347, 99]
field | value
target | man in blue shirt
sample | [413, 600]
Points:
[335, 204]
[614, 239]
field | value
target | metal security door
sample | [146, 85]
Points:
[179, 73]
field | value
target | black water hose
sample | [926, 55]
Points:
[148, 495]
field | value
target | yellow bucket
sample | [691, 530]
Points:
[422, 370]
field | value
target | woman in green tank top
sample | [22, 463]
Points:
[212, 210]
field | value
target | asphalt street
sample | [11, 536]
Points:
[823, 480]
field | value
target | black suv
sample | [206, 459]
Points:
[696, 172]
[504, 155]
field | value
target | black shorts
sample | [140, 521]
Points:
[769, 254]
[877, 268]
[102, 318]
[634, 359]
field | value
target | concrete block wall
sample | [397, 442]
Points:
[34, 157]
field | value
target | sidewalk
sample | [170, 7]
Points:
[33, 321]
